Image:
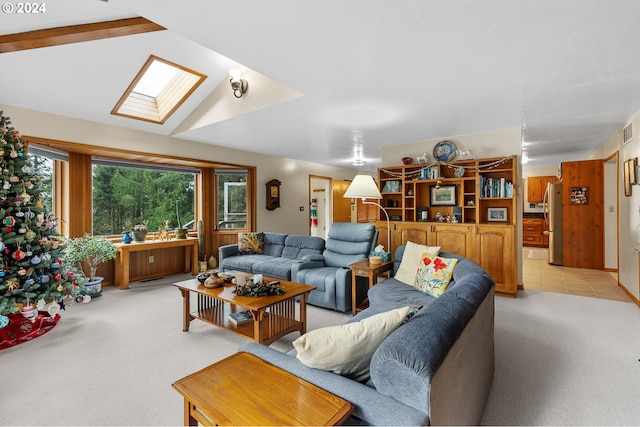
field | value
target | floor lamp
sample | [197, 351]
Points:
[364, 187]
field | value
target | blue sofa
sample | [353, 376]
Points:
[280, 253]
[435, 369]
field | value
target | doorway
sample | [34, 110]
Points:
[319, 205]
[611, 204]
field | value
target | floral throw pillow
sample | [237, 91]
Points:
[434, 274]
[250, 243]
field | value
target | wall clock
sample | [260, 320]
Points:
[273, 194]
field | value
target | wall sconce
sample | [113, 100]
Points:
[238, 85]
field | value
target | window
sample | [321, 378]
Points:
[125, 194]
[44, 169]
[157, 91]
[232, 199]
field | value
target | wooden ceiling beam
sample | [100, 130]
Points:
[76, 33]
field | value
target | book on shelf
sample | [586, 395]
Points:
[240, 317]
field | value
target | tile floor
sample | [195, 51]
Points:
[538, 274]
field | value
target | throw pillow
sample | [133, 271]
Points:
[411, 261]
[434, 274]
[250, 243]
[347, 349]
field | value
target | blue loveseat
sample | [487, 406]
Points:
[435, 369]
[279, 254]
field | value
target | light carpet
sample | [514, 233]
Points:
[560, 360]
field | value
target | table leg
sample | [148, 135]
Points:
[303, 313]
[124, 270]
[186, 308]
[188, 418]
[354, 291]
[258, 317]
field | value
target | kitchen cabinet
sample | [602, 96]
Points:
[533, 232]
[536, 187]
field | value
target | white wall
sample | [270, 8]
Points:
[629, 207]
[293, 174]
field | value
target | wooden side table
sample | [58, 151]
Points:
[244, 390]
[371, 271]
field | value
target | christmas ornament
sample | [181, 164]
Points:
[4, 321]
[41, 304]
[86, 299]
[53, 309]
[9, 221]
[18, 255]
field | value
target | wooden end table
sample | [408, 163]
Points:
[244, 390]
[274, 316]
[371, 271]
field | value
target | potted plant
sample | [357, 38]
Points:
[89, 251]
[140, 232]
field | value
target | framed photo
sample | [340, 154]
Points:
[497, 214]
[633, 179]
[579, 196]
[627, 179]
[446, 195]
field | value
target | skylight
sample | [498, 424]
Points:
[157, 91]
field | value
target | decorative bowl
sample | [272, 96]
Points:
[444, 151]
[407, 160]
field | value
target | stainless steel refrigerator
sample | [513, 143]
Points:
[553, 218]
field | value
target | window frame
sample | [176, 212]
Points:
[73, 186]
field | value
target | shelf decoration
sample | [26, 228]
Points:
[470, 168]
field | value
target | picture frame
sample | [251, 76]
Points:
[497, 214]
[627, 179]
[579, 196]
[633, 178]
[444, 195]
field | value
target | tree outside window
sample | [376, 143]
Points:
[125, 196]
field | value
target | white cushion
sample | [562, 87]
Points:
[411, 261]
[347, 349]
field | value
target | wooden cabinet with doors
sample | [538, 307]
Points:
[536, 187]
[491, 246]
[495, 249]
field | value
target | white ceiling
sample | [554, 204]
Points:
[392, 72]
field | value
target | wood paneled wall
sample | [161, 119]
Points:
[583, 224]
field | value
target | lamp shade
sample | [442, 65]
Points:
[363, 186]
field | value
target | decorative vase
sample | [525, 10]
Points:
[140, 236]
[94, 288]
[213, 262]
[127, 237]
[181, 233]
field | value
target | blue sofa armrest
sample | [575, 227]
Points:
[226, 251]
[369, 405]
[308, 261]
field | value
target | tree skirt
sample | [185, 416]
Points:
[21, 329]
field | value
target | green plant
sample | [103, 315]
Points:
[140, 227]
[90, 251]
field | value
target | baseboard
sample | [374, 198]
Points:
[611, 270]
[629, 294]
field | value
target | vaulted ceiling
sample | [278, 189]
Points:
[324, 75]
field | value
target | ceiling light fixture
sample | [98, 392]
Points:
[358, 162]
[238, 85]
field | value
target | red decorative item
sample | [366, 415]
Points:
[18, 255]
[21, 329]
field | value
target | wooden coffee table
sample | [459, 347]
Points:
[274, 316]
[244, 390]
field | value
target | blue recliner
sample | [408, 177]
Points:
[330, 272]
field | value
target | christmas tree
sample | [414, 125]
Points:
[31, 250]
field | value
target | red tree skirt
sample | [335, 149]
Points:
[21, 329]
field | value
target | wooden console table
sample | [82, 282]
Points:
[125, 249]
[243, 390]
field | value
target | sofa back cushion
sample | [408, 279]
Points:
[273, 244]
[295, 247]
[348, 243]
